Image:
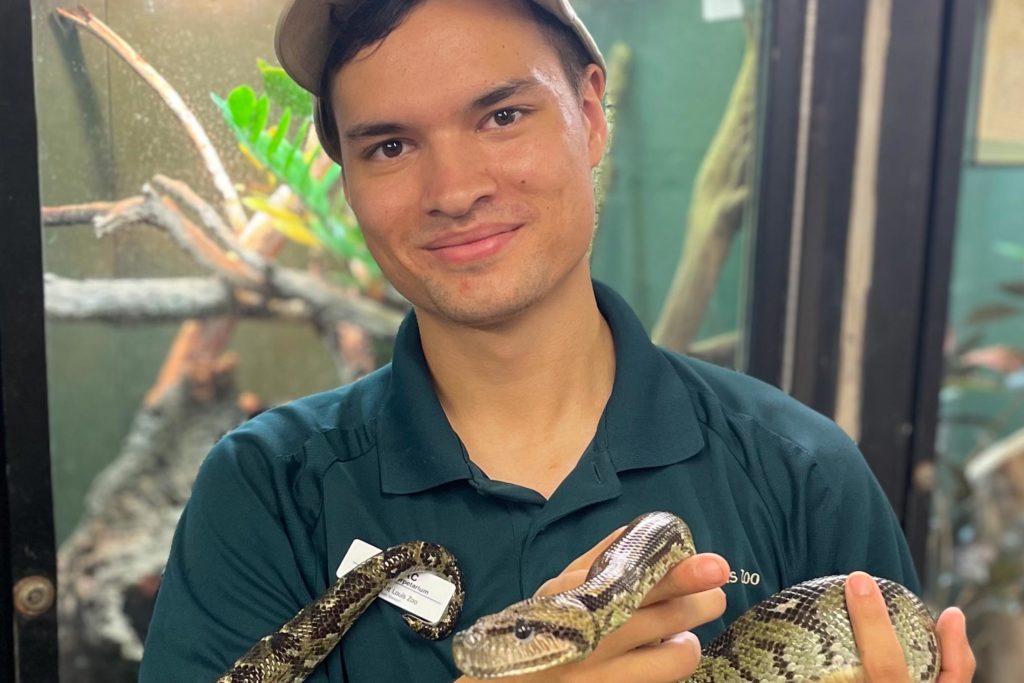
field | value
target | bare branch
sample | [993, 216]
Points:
[149, 300]
[128, 300]
[76, 214]
[716, 212]
[333, 303]
[209, 217]
[164, 214]
[232, 206]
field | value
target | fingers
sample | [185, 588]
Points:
[880, 651]
[567, 580]
[663, 620]
[675, 659]
[958, 663]
[696, 574]
[702, 572]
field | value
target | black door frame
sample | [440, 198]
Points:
[796, 346]
[28, 639]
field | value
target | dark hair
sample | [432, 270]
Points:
[364, 23]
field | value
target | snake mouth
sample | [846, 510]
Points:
[485, 663]
[494, 652]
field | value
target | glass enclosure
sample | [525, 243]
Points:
[976, 549]
[201, 263]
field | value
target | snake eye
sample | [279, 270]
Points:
[522, 630]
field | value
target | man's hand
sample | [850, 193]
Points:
[655, 645]
[876, 640]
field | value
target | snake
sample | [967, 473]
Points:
[802, 633]
[290, 654]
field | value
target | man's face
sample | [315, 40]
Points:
[468, 159]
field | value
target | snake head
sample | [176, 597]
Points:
[528, 636]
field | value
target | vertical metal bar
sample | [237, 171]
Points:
[25, 437]
[962, 26]
[779, 104]
[906, 166]
[813, 346]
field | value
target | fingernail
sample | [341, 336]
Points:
[862, 585]
[712, 571]
[691, 640]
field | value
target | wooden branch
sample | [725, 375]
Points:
[165, 214]
[128, 300]
[994, 457]
[716, 211]
[620, 60]
[77, 214]
[303, 298]
[199, 342]
[87, 20]
[210, 219]
[331, 303]
[720, 349]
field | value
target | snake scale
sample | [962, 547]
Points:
[802, 633]
[292, 652]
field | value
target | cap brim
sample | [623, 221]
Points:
[303, 37]
[302, 40]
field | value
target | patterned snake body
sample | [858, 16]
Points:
[292, 652]
[800, 634]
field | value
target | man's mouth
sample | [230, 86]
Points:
[480, 242]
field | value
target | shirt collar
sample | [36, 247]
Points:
[649, 421]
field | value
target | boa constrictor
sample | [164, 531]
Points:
[799, 634]
[292, 652]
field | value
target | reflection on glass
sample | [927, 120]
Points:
[976, 549]
[202, 264]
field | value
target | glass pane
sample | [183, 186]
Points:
[151, 361]
[691, 80]
[976, 550]
[1000, 127]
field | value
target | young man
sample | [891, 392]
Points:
[526, 415]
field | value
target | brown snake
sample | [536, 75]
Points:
[800, 634]
[293, 651]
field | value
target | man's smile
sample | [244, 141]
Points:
[480, 242]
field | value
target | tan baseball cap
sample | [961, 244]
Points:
[306, 33]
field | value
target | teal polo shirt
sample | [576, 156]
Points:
[772, 486]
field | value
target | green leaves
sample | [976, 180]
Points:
[283, 91]
[279, 144]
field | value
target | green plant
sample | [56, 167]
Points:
[273, 131]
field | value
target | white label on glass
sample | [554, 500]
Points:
[720, 10]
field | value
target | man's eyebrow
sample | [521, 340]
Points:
[375, 129]
[503, 92]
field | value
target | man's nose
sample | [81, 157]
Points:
[456, 178]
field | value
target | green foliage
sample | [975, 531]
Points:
[283, 91]
[279, 146]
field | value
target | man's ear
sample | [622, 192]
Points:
[592, 97]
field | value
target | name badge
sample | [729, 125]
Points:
[423, 594]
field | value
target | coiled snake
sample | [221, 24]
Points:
[799, 634]
[293, 651]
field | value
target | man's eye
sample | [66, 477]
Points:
[390, 149]
[505, 117]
